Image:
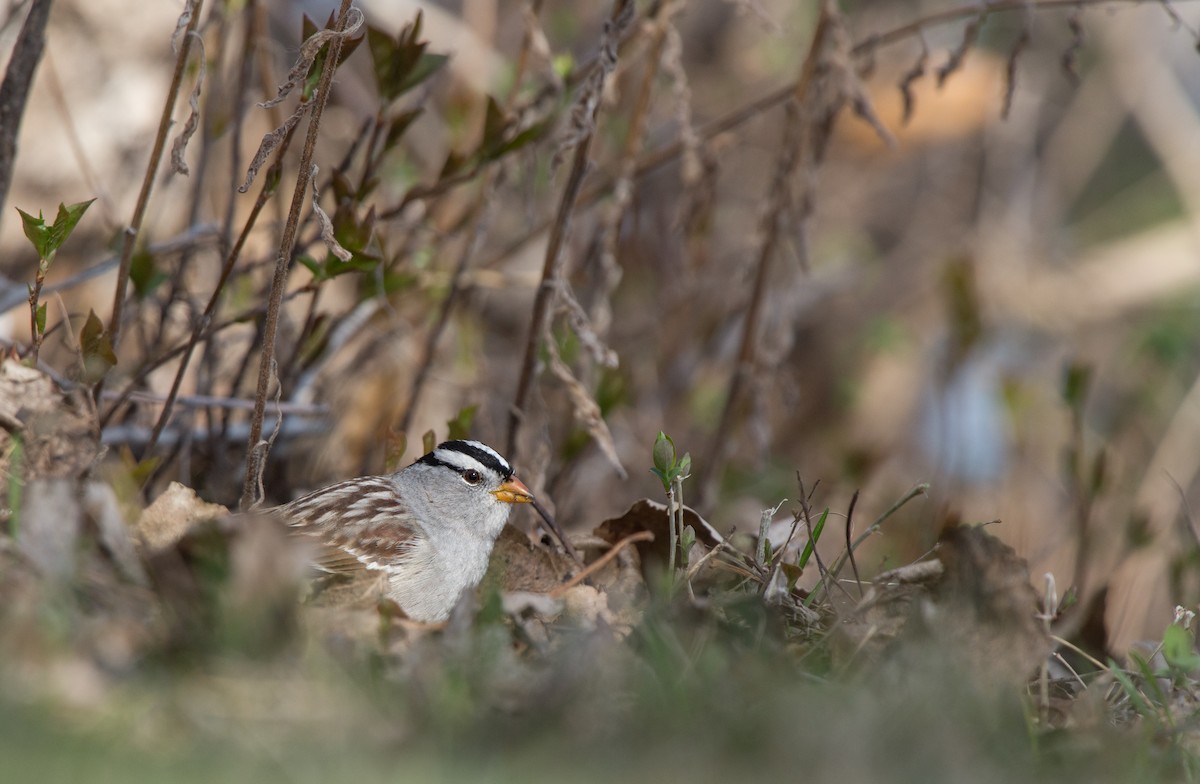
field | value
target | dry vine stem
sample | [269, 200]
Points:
[256, 449]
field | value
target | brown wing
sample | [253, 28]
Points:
[360, 523]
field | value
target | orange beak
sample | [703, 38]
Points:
[513, 491]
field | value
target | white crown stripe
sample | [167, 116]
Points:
[461, 460]
[482, 447]
[483, 455]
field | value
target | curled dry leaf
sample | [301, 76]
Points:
[270, 141]
[185, 18]
[587, 411]
[583, 115]
[193, 121]
[327, 235]
[308, 52]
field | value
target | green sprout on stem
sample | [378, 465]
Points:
[46, 240]
[671, 470]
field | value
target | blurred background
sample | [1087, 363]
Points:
[999, 296]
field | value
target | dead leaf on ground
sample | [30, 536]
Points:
[973, 601]
[648, 515]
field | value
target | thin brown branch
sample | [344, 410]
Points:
[849, 541]
[256, 449]
[139, 211]
[555, 257]
[796, 150]
[14, 91]
[472, 244]
[470, 249]
[966, 11]
[602, 561]
[667, 153]
[1014, 55]
[202, 324]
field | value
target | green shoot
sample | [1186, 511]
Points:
[46, 240]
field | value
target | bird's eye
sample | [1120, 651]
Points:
[472, 477]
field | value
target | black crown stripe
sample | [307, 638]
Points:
[483, 456]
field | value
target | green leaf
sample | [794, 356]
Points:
[664, 455]
[1179, 649]
[66, 220]
[684, 469]
[429, 441]
[398, 126]
[47, 240]
[37, 232]
[343, 189]
[427, 65]
[96, 349]
[812, 542]
[687, 538]
[531, 134]
[144, 275]
[1131, 691]
[1099, 466]
[460, 425]
[401, 63]
[393, 281]
[1077, 379]
[1154, 691]
[495, 124]
[40, 318]
[563, 64]
[312, 265]
[307, 29]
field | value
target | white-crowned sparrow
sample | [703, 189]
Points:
[429, 527]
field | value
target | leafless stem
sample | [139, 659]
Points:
[143, 201]
[795, 150]
[554, 261]
[14, 91]
[849, 535]
[205, 320]
[35, 292]
[256, 451]
[602, 561]
[838, 563]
